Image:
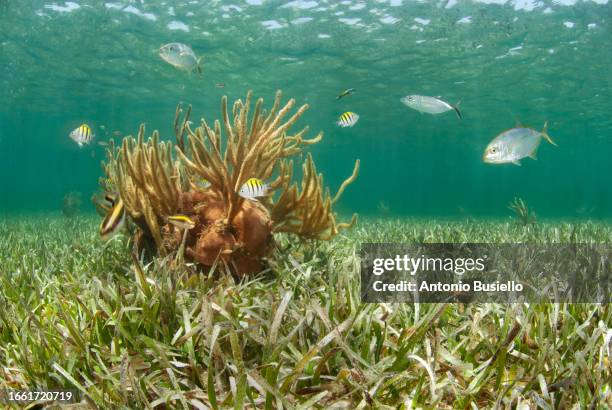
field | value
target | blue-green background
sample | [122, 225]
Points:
[65, 63]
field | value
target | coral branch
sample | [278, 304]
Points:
[147, 179]
[347, 182]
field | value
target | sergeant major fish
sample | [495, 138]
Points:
[82, 135]
[180, 56]
[348, 119]
[202, 183]
[515, 144]
[253, 189]
[429, 105]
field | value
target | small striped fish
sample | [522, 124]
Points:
[202, 184]
[348, 119]
[113, 222]
[253, 188]
[181, 221]
[82, 135]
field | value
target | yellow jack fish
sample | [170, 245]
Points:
[515, 144]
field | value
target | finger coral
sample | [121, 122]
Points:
[200, 177]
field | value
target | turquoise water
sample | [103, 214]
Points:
[65, 63]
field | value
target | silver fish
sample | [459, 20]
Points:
[515, 144]
[180, 56]
[429, 105]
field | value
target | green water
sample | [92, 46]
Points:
[65, 63]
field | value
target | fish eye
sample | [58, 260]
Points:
[493, 150]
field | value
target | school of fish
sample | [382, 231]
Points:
[510, 146]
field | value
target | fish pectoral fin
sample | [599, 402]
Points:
[516, 162]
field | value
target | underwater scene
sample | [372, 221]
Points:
[189, 186]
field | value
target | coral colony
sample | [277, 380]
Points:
[156, 180]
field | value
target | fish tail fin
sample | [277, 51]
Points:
[546, 136]
[199, 66]
[456, 108]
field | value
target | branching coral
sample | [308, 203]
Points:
[147, 179]
[231, 229]
[307, 213]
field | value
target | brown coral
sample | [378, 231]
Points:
[230, 230]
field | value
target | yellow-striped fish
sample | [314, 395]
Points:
[82, 135]
[113, 222]
[181, 221]
[348, 119]
[253, 188]
[202, 184]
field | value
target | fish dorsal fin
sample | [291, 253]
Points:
[518, 123]
[199, 65]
